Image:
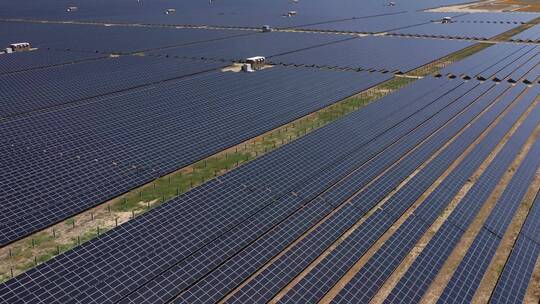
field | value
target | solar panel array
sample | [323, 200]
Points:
[378, 24]
[514, 280]
[94, 150]
[373, 52]
[461, 30]
[241, 13]
[119, 93]
[40, 59]
[497, 17]
[245, 236]
[264, 44]
[529, 35]
[105, 39]
[66, 84]
[508, 62]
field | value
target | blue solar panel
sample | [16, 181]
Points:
[470, 271]
[425, 267]
[516, 275]
[377, 24]
[105, 39]
[65, 84]
[198, 202]
[374, 53]
[98, 149]
[25, 61]
[380, 266]
[293, 262]
[497, 17]
[240, 13]
[262, 44]
[529, 35]
[506, 62]
[462, 30]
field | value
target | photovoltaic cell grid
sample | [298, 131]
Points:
[260, 44]
[221, 241]
[23, 61]
[241, 13]
[497, 17]
[308, 249]
[507, 62]
[65, 84]
[378, 24]
[105, 39]
[516, 275]
[376, 53]
[422, 272]
[243, 201]
[529, 35]
[317, 283]
[100, 148]
[461, 30]
[479, 255]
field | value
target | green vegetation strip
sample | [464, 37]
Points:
[25, 254]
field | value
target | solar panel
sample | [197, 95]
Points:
[379, 53]
[426, 266]
[76, 155]
[461, 30]
[479, 255]
[24, 61]
[529, 35]
[380, 266]
[516, 275]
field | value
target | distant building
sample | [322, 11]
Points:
[170, 11]
[266, 28]
[18, 47]
[72, 9]
[446, 19]
[253, 64]
[290, 14]
[256, 62]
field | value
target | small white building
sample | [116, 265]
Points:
[256, 62]
[266, 28]
[19, 47]
[446, 19]
[170, 11]
[72, 9]
[290, 14]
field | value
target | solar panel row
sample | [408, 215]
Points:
[498, 17]
[65, 84]
[529, 35]
[24, 61]
[426, 266]
[516, 275]
[262, 44]
[105, 39]
[468, 275]
[510, 62]
[461, 30]
[378, 24]
[378, 268]
[240, 13]
[220, 219]
[180, 274]
[60, 162]
[345, 217]
[374, 52]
